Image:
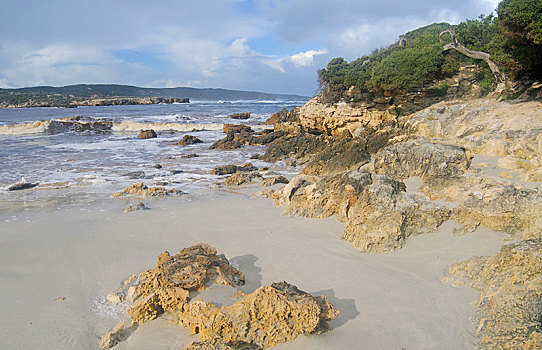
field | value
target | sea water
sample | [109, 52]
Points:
[86, 151]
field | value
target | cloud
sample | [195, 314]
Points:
[204, 43]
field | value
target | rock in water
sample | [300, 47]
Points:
[21, 185]
[188, 140]
[230, 169]
[236, 128]
[147, 134]
[244, 115]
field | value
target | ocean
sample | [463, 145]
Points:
[78, 153]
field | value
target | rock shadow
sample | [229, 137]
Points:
[253, 273]
[347, 307]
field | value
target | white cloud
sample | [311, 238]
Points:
[305, 59]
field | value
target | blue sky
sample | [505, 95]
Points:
[265, 45]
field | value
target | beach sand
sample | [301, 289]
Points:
[58, 265]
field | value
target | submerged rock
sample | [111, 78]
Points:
[147, 134]
[271, 315]
[509, 310]
[191, 155]
[188, 140]
[241, 178]
[21, 185]
[141, 190]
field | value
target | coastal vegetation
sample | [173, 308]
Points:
[512, 39]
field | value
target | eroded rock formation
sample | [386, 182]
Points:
[147, 134]
[141, 190]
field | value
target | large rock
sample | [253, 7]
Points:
[236, 128]
[509, 310]
[271, 315]
[147, 134]
[332, 119]
[379, 214]
[286, 121]
[141, 190]
[421, 158]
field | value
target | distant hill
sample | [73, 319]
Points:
[66, 94]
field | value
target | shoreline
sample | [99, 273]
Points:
[371, 291]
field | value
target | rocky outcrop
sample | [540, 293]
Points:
[334, 119]
[242, 135]
[55, 100]
[271, 315]
[236, 128]
[509, 310]
[141, 190]
[188, 140]
[242, 115]
[286, 121]
[231, 168]
[421, 158]
[147, 134]
[242, 178]
[379, 214]
[506, 129]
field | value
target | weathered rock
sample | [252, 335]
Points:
[337, 157]
[233, 140]
[135, 207]
[285, 121]
[423, 159]
[230, 169]
[270, 181]
[141, 190]
[509, 311]
[299, 146]
[379, 214]
[208, 345]
[188, 140]
[113, 337]
[244, 115]
[271, 315]
[496, 205]
[236, 128]
[147, 134]
[21, 185]
[241, 178]
[146, 309]
[335, 118]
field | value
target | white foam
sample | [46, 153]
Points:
[25, 128]
[131, 126]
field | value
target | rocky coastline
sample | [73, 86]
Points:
[356, 164]
[106, 101]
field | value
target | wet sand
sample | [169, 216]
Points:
[57, 266]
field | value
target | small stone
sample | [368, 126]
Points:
[192, 155]
[113, 337]
[147, 134]
[135, 207]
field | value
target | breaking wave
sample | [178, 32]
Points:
[89, 125]
[127, 126]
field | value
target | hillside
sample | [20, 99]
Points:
[68, 95]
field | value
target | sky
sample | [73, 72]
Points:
[264, 45]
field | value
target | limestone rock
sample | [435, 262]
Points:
[208, 345]
[241, 178]
[145, 309]
[135, 207]
[271, 315]
[147, 134]
[509, 310]
[188, 140]
[286, 121]
[230, 169]
[270, 181]
[423, 159]
[141, 190]
[113, 337]
[243, 115]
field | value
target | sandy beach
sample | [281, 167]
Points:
[58, 266]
